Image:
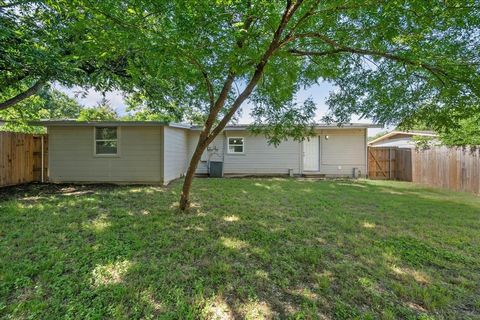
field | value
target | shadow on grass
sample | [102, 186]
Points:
[250, 248]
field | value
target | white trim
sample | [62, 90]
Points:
[228, 145]
[105, 155]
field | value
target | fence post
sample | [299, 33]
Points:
[389, 163]
[43, 165]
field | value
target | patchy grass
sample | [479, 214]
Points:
[250, 248]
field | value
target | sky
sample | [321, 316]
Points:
[319, 93]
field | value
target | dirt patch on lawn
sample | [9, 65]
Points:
[34, 191]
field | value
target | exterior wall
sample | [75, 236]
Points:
[214, 152]
[72, 159]
[339, 155]
[261, 158]
[344, 150]
[161, 154]
[175, 153]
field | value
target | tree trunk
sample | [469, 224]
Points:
[192, 167]
[206, 137]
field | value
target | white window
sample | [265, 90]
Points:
[236, 144]
[106, 141]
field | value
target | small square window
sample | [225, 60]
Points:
[236, 144]
[106, 140]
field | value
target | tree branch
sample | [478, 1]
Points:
[21, 96]
[208, 83]
[314, 53]
[222, 97]
[308, 14]
[338, 48]
[274, 45]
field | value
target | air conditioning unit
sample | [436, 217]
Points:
[357, 173]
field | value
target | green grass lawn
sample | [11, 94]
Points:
[249, 248]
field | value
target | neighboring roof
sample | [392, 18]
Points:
[405, 142]
[408, 133]
[75, 123]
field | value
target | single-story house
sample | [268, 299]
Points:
[158, 152]
[400, 139]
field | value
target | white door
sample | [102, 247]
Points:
[310, 154]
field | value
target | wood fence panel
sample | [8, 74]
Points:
[403, 165]
[451, 168]
[20, 157]
[381, 163]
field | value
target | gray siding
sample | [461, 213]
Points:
[261, 158]
[175, 153]
[339, 155]
[72, 159]
[214, 152]
[344, 150]
[161, 154]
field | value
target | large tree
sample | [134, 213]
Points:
[38, 47]
[48, 103]
[389, 59]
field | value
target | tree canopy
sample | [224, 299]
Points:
[38, 46]
[461, 131]
[387, 58]
[47, 104]
[102, 111]
[390, 60]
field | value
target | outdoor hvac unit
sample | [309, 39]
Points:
[357, 173]
[216, 169]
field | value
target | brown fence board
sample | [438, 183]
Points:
[20, 158]
[452, 168]
[381, 163]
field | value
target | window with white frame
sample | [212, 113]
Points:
[236, 145]
[106, 140]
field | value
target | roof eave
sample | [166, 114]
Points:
[74, 123]
[388, 135]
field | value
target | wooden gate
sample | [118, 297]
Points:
[381, 163]
[22, 157]
[390, 164]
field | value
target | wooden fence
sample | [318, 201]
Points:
[453, 168]
[21, 158]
